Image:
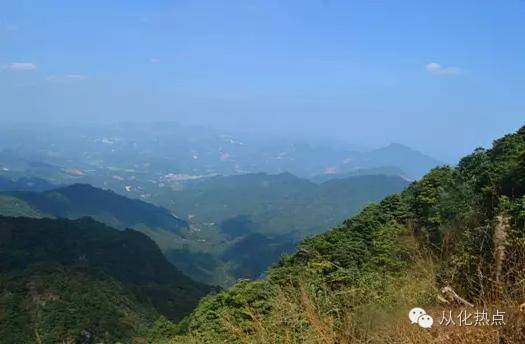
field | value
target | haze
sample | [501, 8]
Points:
[442, 77]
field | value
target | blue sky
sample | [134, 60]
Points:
[440, 76]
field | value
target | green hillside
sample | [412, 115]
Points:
[13, 206]
[82, 200]
[57, 304]
[79, 200]
[232, 213]
[81, 281]
[278, 204]
[460, 228]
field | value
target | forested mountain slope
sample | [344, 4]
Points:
[81, 281]
[79, 200]
[247, 221]
[281, 203]
[462, 228]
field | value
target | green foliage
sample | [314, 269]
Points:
[432, 202]
[163, 329]
[507, 168]
[128, 256]
[53, 304]
[373, 234]
[212, 320]
[14, 320]
[81, 281]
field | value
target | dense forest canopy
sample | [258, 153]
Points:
[81, 281]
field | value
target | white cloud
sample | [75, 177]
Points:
[437, 69]
[76, 76]
[67, 77]
[22, 66]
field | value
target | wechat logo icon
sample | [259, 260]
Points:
[419, 316]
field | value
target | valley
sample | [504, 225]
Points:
[204, 222]
[221, 221]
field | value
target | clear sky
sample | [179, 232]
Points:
[441, 76]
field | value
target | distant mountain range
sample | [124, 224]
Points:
[413, 163]
[25, 184]
[138, 155]
[385, 171]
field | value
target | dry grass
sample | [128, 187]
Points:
[301, 315]
[306, 313]
[401, 331]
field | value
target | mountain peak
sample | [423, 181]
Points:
[398, 146]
